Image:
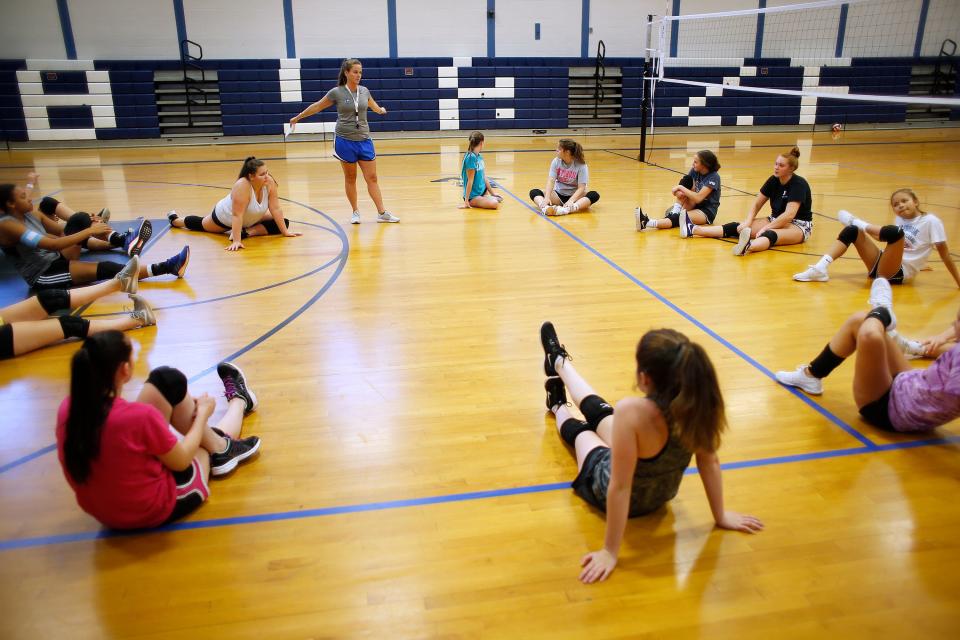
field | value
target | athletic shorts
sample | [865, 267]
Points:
[57, 276]
[592, 196]
[6, 340]
[877, 412]
[192, 490]
[588, 484]
[896, 278]
[353, 150]
[806, 226]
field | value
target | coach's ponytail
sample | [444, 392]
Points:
[93, 373]
[345, 66]
[685, 388]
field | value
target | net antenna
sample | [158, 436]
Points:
[810, 47]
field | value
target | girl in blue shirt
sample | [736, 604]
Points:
[477, 190]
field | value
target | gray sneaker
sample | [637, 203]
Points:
[104, 215]
[129, 276]
[142, 311]
[743, 244]
[386, 216]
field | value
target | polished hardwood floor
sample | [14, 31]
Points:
[410, 483]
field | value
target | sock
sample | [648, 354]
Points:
[824, 263]
[117, 239]
[574, 207]
[159, 269]
[823, 364]
[860, 224]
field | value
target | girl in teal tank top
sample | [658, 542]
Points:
[477, 190]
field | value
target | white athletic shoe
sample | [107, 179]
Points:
[562, 211]
[801, 380]
[686, 229]
[812, 274]
[743, 244]
[386, 216]
[129, 275]
[355, 217]
[912, 349]
[846, 218]
[881, 295]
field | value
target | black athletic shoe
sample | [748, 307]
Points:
[551, 348]
[556, 392]
[137, 238]
[235, 385]
[641, 219]
[237, 451]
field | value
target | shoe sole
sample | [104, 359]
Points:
[239, 371]
[183, 267]
[742, 243]
[143, 234]
[134, 280]
[352, 221]
[641, 225]
[812, 392]
[810, 279]
[684, 221]
[231, 464]
[390, 221]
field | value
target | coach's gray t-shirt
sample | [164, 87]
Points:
[351, 112]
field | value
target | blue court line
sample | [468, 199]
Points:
[342, 256]
[85, 536]
[700, 325]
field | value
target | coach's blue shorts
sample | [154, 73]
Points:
[352, 150]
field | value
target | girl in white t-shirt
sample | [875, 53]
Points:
[911, 237]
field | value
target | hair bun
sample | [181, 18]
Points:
[795, 152]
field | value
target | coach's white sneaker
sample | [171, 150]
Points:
[355, 217]
[386, 216]
[801, 380]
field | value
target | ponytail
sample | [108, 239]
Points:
[475, 138]
[685, 388]
[6, 196]
[574, 148]
[92, 375]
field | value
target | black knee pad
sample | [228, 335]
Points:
[730, 230]
[686, 181]
[107, 270]
[194, 223]
[74, 326]
[53, 299]
[595, 409]
[534, 193]
[6, 341]
[890, 233]
[882, 314]
[849, 235]
[570, 429]
[674, 218]
[273, 228]
[593, 196]
[48, 206]
[77, 223]
[171, 383]
[770, 235]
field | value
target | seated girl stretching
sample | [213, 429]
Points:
[631, 459]
[252, 208]
[698, 198]
[566, 182]
[477, 190]
[142, 464]
[27, 326]
[889, 393]
[790, 220]
[909, 240]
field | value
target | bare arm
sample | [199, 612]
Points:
[948, 262]
[181, 455]
[783, 220]
[693, 197]
[708, 466]
[372, 104]
[13, 232]
[316, 107]
[579, 193]
[754, 210]
[240, 197]
[468, 187]
[273, 202]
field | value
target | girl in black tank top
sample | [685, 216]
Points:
[634, 464]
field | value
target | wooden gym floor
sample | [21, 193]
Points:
[410, 483]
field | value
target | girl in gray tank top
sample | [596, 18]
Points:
[352, 144]
[633, 465]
